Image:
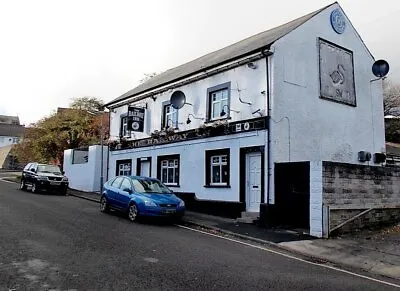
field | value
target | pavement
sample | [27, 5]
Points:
[377, 252]
[55, 242]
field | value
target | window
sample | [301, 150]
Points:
[117, 182]
[144, 185]
[170, 116]
[124, 132]
[168, 170]
[217, 168]
[124, 168]
[126, 185]
[27, 167]
[218, 101]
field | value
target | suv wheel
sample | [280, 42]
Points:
[34, 188]
[22, 185]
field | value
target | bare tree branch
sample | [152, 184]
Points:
[391, 98]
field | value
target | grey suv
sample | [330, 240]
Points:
[44, 177]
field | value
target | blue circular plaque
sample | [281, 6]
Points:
[337, 21]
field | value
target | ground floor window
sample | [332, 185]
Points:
[124, 167]
[168, 169]
[217, 168]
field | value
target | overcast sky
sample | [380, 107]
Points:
[52, 51]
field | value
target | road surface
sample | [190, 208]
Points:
[65, 243]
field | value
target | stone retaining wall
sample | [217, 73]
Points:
[349, 189]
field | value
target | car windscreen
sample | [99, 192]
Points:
[150, 186]
[49, 169]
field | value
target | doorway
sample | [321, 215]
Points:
[143, 167]
[292, 194]
[253, 182]
[252, 177]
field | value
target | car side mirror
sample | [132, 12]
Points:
[63, 172]
[127, 190]
[33, 170]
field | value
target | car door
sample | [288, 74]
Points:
[30, 173]
[124, 194]
[25, 173]
[112, 191]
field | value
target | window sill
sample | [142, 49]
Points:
[217, 186]
[172, 186]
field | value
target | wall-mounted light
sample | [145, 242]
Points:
[258, 111]
[223, 113]
[252, 65]
[188, 119]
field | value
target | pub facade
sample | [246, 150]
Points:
[215, 128]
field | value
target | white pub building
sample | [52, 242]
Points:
[217, 129]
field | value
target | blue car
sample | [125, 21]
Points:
[141, 196]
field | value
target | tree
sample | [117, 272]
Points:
[71, 128]
[92, 104]
[391, 106]
[391, 98]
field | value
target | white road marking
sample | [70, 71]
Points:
[1, 179]
[289, 256]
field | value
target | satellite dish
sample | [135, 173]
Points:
[380, 68]
[178, 99]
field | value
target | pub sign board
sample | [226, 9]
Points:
[135, 118]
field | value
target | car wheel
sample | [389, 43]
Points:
[34, 188]
[133, 212]
[103, 204]
[22, 185]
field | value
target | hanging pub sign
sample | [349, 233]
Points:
[135, 118]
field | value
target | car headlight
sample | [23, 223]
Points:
[182, 203]
[65, 179]
[149, 203]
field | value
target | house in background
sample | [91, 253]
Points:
[254, 127]
[11, 133]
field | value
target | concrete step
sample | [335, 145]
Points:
[254, 215]
[247, 220]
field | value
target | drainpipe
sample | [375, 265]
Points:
[268, 53]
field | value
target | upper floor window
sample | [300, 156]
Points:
[170, 116]
[218, 101]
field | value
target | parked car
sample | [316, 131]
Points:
[43, 177]
[141, 196]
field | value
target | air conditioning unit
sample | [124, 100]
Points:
[364, 156]
[379, 158]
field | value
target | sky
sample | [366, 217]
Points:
[52, 51]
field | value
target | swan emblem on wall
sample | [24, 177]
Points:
[338, 75]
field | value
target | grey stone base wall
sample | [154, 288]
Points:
[349, 189]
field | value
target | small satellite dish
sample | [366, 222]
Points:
[178, 100]
[380, 68]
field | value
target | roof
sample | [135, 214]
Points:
[9, 119]
[237, 50]
[11, 130]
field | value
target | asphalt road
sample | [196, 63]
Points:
[65, 243]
